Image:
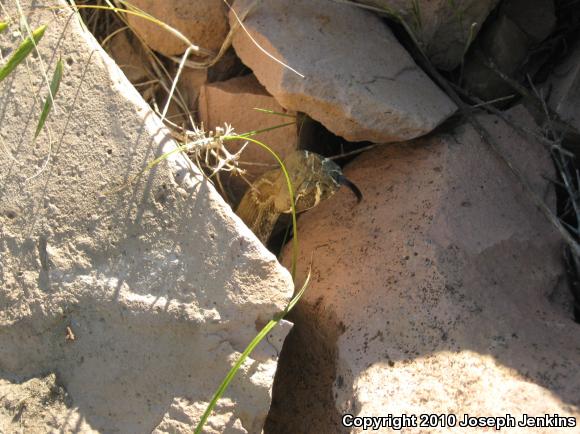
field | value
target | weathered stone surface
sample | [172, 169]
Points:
[438, 293]
[358, 80]
[203, 22]
[234, 102]
[441, 26]
[160, 283]
[23, 408]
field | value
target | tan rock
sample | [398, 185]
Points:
[138, 288]
[203, 22]
[234, 102]
[358, 81]
[130, 56]
[190, 84]
[439, 293]
[442, 27]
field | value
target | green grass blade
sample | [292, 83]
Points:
[253, 133]
[290, 192]
[271, 324]
[3, 26]
[272, 112]
[22, 51]
[255, 342]
[54, 85]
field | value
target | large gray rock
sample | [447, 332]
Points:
[358, 80]
[442, 27]
[159, 283]
[438, 293]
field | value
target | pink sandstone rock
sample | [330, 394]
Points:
[441, 292]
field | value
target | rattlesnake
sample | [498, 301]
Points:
[314, 178]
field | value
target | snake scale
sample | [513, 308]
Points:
[314, 179]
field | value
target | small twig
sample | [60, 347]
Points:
[490, 102]
[522, 131]
[355, 152]
[70, 336]
[536, 101]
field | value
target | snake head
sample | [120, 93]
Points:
[334, 171]
[314, 179]
[323, 178]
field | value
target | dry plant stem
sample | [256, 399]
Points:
[523, 132]
[558, 124]
[567, 177]
[556, 149]
[490, 141]
[355, 152]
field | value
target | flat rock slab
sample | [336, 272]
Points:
[138, 288]
[357, 79]
[439, 293]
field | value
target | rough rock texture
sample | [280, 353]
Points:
[438, 293]
[159, 283]
[23, 408]
[441, 26]
[203, 22]
[358, 81]
[234, 101]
